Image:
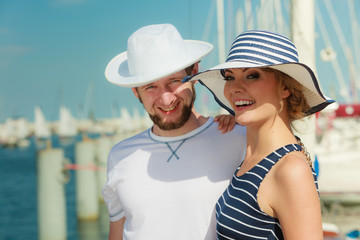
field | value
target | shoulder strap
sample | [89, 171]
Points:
[264, 166]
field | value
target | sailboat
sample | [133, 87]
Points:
[42, 131]
[41, 127]
[8, 136]
[127, 122]
[22, 133]
[15, 133]
[67, 128]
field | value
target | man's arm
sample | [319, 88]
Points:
[117, 229]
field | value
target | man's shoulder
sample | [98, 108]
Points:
[132, 141]
[238, 131]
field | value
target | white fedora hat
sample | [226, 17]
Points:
[154, 52]
[254, 49]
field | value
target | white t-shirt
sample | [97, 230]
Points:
[167, 187]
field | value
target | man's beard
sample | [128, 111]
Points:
[184, 117]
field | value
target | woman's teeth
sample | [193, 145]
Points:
[243, 103]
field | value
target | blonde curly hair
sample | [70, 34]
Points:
[296, 102]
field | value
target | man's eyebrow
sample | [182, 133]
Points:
[173, 78]
[145, 86]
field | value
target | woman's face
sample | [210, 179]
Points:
[254, 95]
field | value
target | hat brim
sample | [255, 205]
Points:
[213, 80]
[117, 71]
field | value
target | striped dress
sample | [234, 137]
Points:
[237, 211]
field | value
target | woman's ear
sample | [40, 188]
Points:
[285, 92]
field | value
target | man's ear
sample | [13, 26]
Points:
[195, 68]
[134, 90]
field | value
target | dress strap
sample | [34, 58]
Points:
[268, 162]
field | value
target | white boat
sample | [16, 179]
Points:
[15, 133]
[67, 127]
[331, 231]
[23, 133]
[8, 136]
[41, 127]
[127, 122]
[338, 154]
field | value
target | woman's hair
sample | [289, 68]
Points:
[296, 102]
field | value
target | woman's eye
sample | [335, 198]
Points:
[228, 78]
[253, 75]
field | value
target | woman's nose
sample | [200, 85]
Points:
[236, 86]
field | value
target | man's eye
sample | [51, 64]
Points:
[149, 87]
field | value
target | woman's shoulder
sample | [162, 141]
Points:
[292, 169]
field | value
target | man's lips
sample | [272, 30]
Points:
[169, 109]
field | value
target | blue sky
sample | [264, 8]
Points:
[54, 52]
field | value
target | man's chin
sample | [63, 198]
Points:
[170, 125]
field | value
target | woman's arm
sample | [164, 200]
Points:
[226, 122]
[297, 203]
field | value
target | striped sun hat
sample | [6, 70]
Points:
[253, 49]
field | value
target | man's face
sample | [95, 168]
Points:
[168, 101]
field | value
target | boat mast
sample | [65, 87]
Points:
[347, 50]
[221, 29]
[303, 36]
[303, 30]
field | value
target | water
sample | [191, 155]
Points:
[18, 213]
[18, 201]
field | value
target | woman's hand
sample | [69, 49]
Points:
[226, 122]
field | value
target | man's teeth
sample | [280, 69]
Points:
[169, 109]
[244, 103]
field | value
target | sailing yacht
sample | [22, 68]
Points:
[15, 133]
[42, 132]
[41, 127]
[67, 128]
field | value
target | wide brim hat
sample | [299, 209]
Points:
[257, 49]
[154, 52]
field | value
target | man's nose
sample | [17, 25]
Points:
[167, 98]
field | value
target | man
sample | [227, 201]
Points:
[164, 182]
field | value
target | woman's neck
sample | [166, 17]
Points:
[264, 139]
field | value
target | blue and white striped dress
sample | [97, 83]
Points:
[237, 211]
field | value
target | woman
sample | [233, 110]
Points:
[273, 195]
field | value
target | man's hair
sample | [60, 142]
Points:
[189, 69]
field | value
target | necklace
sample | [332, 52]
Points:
[304, 151]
